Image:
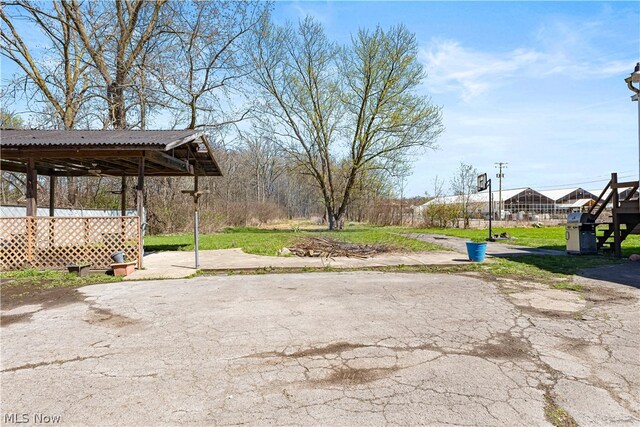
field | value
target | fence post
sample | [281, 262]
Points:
[85, 224]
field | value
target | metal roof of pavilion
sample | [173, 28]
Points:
[108, 152]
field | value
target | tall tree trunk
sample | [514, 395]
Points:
[117, 110]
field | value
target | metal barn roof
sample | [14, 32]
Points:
[108, 152]
[96, 138]
[548, 196]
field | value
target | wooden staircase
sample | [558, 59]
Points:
[625, 215]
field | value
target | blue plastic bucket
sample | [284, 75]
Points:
[476, 251]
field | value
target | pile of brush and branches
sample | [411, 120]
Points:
[328, 248]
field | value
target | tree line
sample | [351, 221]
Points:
[301, 125]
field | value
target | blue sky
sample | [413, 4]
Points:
[539, 85]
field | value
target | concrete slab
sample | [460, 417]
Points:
[351, 348]
[494, 249]
[178, 264]
[549, 299]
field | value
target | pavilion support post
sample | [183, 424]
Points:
[32, 207]
[52, 195]
[123, 196]
[196, 220]
[140, 207]
[32, 188]
[123, 210]
[52, 208]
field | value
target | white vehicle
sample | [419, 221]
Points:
[505, 215]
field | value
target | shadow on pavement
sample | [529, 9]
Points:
[590, 267]
[506, 251]
[624, 274]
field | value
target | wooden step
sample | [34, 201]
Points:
[606, 249]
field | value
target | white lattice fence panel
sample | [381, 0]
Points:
[53, 243]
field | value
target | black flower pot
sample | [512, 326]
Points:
[118, 257]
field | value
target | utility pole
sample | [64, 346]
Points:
[500, 175]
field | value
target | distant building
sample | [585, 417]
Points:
[521, 203]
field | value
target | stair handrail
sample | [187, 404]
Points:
[604, 203]
[631, 193]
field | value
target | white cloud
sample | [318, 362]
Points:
[549, 144]
[454, 68]
[303, 9]
[552, 104]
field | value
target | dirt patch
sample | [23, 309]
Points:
[575, 346]
[551, 314]
[506, 347]
[105, 317]
[14, 294]
[334, 348]
[48, 288]
[351, 376]
[326, 248]
[598, 294]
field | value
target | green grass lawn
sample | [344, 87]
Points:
[261, 241]
[545, 237]
[267, 242]
[542, 267]
[55, 278]
[37, 285]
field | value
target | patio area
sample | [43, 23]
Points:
[178, 264]
[51, 242]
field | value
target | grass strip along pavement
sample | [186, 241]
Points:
[24, 285]
[543, 238]
[260, 241]
[268, 242]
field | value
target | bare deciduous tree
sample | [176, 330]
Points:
[58, 75]
[340, 111]
[206, 58]
[114, 36]
[345, 117]
[463, 185]
[265, 162]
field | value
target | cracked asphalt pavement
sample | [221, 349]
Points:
[350, 348]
